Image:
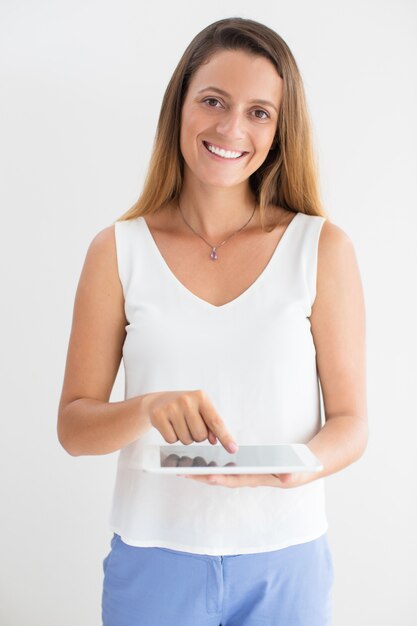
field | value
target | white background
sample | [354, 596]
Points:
[81, 88]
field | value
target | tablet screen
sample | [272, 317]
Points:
[217, 456]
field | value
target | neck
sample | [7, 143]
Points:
[216, 212]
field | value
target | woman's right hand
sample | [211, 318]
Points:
[188, 416]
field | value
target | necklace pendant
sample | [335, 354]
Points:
[213, 255]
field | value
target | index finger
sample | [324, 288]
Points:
[216, 425]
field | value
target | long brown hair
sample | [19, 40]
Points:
[288, 177]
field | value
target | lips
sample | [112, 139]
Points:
[207, 143]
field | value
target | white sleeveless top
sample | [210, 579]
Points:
[255, 358]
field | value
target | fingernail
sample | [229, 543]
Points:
[233, 447]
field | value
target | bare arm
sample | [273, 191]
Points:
[87, 422]
[338, 326]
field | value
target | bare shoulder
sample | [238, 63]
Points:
[100, 273]
[98, 325]
[103, 243]
[337, 266]
[338, 324]
[101, 258]
[334, 240]
[336, 261]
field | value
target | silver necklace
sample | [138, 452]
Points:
[213, 255]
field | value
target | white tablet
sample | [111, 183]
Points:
[259, 459]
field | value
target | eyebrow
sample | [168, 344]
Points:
[224, 93]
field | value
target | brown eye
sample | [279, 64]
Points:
[261, 111]
[212, 100]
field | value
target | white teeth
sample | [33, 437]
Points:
[226, 154]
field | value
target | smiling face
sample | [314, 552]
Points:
[232, 104]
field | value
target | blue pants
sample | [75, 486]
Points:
[163, 587]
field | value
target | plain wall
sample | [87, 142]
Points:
[81, 88]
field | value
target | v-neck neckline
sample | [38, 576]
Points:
[238, 298]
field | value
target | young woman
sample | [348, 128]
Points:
[230, 296]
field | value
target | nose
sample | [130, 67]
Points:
[231, 125]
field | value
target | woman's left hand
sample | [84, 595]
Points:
[284, 481]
